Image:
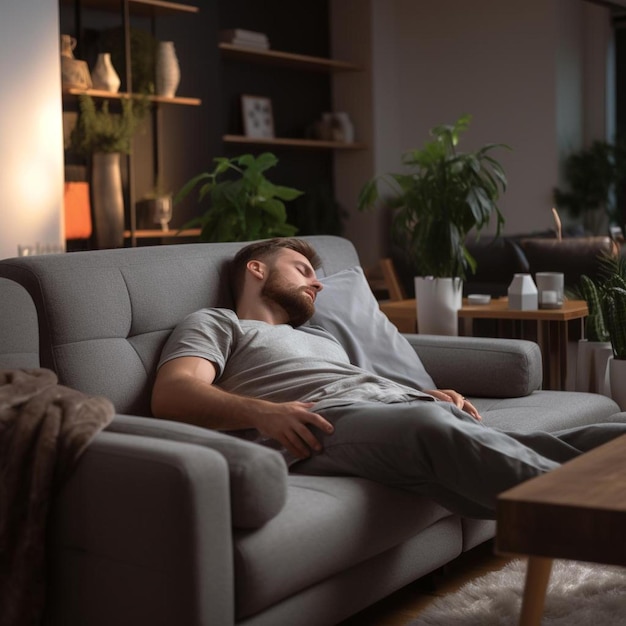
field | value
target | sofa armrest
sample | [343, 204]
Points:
[257, 474]
[481, 367]
[141, 534]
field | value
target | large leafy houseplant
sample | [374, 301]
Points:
[593, 176]
[244, 204]
[444, 195]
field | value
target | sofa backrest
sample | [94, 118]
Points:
[19, 337]
[104, 315]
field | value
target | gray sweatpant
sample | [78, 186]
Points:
[437, 450]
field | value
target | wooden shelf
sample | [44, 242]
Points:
[295, 143]
[98, 93]
[156, 233]
[139, 7]
[286, 59]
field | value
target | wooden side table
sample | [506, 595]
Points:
[577, 511]
[551, 328]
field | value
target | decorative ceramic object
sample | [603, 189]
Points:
[167, 70]
[74, 72]
[550, 286]
[523, 293]
[155, 212]
[103, 75]
[344, 126]
[438, 301]
[107, 200]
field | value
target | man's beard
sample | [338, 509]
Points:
[295, 302]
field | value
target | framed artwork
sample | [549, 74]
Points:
[258, 120]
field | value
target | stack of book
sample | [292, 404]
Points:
[245, 38]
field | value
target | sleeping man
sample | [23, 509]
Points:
[263, 367]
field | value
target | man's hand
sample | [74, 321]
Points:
[288, 423]
[449, 395]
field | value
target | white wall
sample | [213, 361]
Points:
[519, 67]
[31, 135]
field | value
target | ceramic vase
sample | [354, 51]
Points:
[74, 72]
[167, 70]
[103, 75]
[345, 126]
[438, 301]
[522, 293]
[617, 375]
[107, 200]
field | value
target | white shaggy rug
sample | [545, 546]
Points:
[579, 594]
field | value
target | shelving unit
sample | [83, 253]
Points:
[317, 144]
[287, 59]
[151, 10]
[296, 62]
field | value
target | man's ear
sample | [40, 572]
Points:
[256, 268]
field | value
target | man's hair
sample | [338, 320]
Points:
[262, 251]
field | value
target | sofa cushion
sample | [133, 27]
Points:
[258, 475]
[329, 524]
[347, 309]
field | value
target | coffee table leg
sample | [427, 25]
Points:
[537, 577]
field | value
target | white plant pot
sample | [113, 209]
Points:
[617, 375]
[591, 366]
[438, 303]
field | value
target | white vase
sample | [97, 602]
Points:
[107, 200]
[103, 75]
[617, 374]
[345, 126]
[167, 70]
[522, 293]
[602, 378]
[438, 301]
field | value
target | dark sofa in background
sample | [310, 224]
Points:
[498, 259]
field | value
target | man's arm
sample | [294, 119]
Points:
[184, 391]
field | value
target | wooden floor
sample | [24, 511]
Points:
[406, 604]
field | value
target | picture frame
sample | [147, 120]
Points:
[258, 118]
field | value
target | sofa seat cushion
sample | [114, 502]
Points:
[328, 525]
[547, 410]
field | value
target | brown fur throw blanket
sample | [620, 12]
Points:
[44, 428]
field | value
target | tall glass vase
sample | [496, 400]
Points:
[107, 200]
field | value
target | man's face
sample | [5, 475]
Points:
[292, 284]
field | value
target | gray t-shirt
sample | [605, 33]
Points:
[279, 363]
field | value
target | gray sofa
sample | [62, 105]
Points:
[163, 523]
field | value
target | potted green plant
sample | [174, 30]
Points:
[244, 204]
[603, 353]
[592, 176]
[102, 137]
[443, 196]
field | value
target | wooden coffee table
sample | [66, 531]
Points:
[552, 328]
[577, 511]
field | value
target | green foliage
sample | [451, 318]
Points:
[445, 195]
[99, 130]
[606, 300]
[595, 326]
[243, 207]
[593, 176]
